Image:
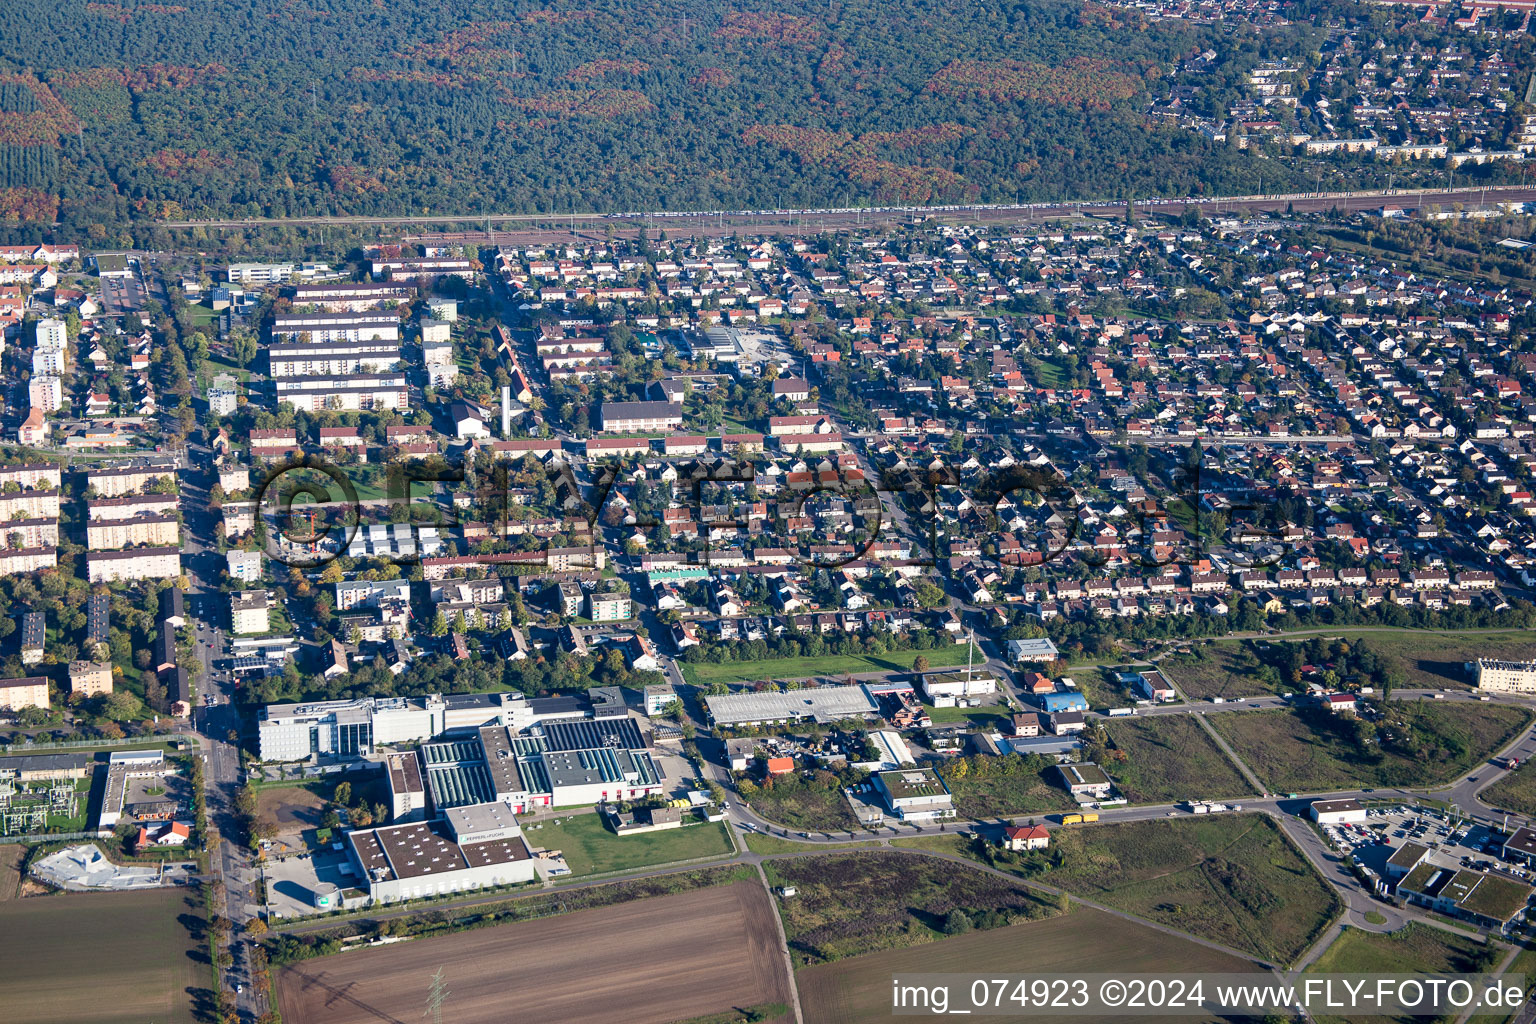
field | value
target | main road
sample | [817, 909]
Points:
[219, 722]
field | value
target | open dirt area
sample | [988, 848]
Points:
[649, 962]
[294, 808]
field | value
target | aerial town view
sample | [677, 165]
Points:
[1023, 509]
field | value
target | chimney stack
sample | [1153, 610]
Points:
[506, 410]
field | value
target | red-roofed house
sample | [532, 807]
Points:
[1026, 837]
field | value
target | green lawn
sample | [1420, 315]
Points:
[759, 843]
[702, 673]
[1304, 751]
[1217, 670]
[1233, 878]
[1170, 758]
[992, 716]
[1099, 687]
[1515, 791]
[590, 847]
[1416, 949]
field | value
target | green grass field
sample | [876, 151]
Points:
[1231, 878]
[703, 673]
[1416, 949]
[854, 903]
[104, 958]
[1217, 670]
[858, 990]
[759, 843]
[992, 716]
[1099, 686]
[591, 848]
[1516, 791]
[1422, 660]
[1170, 758]
[1289, 754]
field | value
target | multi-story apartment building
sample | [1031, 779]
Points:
[1506, 676]
[351, 295]
[636, 417]
[133, 564]
[345, 392]
[158, 530]
[249, 611]
[30, 533]
[31, 476]
[23, 693]
[17, 560]
[130, 506]
[90, 678]
[244, 566]
[42, 503]
[332, 359]
[114, 482]
[45, 393]
[378, 325]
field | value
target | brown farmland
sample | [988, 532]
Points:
[648, 962]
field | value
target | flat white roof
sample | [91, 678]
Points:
[822, 703]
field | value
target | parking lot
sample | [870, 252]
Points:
[292, 881]
[1452, 841]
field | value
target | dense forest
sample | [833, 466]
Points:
[116, 112]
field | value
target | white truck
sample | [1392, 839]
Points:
[1120, 712]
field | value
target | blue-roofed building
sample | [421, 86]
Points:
[1054, 702]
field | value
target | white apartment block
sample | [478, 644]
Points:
[39, 504]
[31, 476]
[1506, 676]
[28, 560]
[133, 564]
[244, 566]
[114, 483]
[332, 359]
[131, 505]
[30, 533]
[158, 530]
[319, 328]
[344, 393]
[248, 611]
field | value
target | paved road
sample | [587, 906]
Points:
[230, 862]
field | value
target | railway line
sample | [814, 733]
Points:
[518, 227]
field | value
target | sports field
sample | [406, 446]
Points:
[103, 958]
[858, 990]
[648, 962]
